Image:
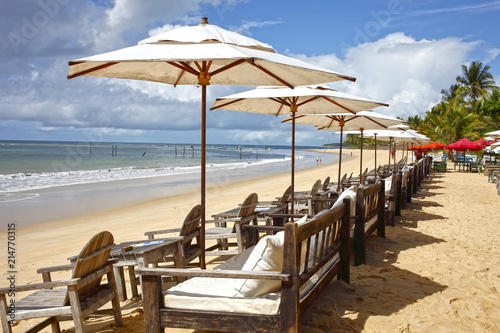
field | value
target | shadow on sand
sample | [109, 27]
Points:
[379, 288]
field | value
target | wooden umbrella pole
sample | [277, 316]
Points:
[293, 162]
[203, 152]
[390, 149]
[394, 157]
[375, 156]
[361, 160]
[341, 123]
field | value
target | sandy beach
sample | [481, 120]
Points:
[436, 271]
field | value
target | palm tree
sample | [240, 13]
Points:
[491, 109]
[476, 81]
[414, 122]
[450, 94]
[454, 123]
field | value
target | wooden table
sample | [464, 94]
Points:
[142, 253]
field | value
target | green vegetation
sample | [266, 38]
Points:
[468, 109]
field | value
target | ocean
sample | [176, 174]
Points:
[87, 177]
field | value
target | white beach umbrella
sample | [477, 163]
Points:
[349, 122]
[403, 136]
[203, 55]
[295, 102]
[495, 134]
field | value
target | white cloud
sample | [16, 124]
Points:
[245, 27]
[406, 73]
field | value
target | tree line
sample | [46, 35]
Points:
[468, 109]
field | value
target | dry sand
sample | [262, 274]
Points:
[436, 271]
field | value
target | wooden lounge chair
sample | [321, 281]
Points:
[221, 232]
[81, 296]
[304, 200]
[312, 253]
[190, 230]
[280, 204]
[324, 187]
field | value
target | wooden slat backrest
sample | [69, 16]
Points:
[94, 255]
[191, 222]
[316, 187]
[286, 195]
[370, 196]
[248, 206]
[342, 181]
[325, 184]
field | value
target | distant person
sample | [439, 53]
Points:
[317, 159]
[418, 155]
[351, 153]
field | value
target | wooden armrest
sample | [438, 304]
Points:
[298, 216]
[228, 274]
[44, 285]
[166, 231]
[221, 220]
[263, 227]
[55, 268]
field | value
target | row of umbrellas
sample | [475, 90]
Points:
[209, 55]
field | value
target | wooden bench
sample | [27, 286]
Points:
[319, 246]
[370, 211]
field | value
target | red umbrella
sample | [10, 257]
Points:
[434, 146]
[464, 144]
[484, 142]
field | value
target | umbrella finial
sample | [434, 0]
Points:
[204, 20]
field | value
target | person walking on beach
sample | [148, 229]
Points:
[317, 160]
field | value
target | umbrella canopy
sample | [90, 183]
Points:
[482, 142]
[431, 146]
[495, 134]
[295, 102]
[464, 144]
[203, 55]
[357, 122]
[395, 135]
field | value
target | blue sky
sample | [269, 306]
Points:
[402, 52]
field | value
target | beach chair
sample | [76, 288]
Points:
[281, 203]
[190, 230]
[222, 233]
[80, 296]
[324, 187]
[304, 200]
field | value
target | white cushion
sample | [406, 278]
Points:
[266, 256]
[388, 184]
[349, 193]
